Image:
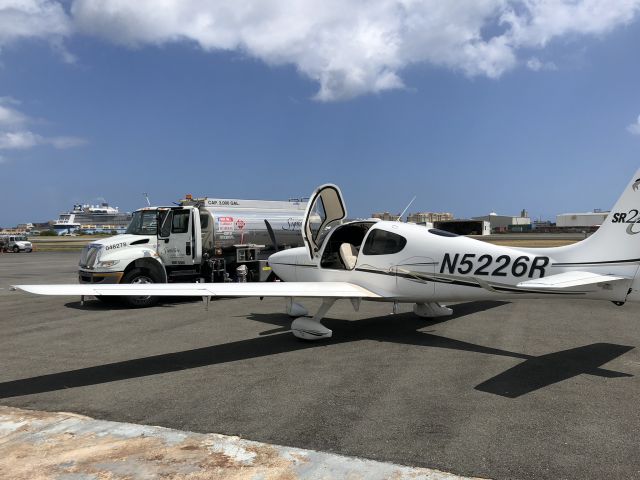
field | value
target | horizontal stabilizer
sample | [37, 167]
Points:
[271, 289]
[570, 279]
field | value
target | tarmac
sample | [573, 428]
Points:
[526, 389]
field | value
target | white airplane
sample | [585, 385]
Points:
[405, 263]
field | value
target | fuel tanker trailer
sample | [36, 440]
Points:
[196, 240]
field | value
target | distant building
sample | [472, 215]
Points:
[464, 227]
[542, 224]
[507, 222]
[424, 217]
[26, 228]
[385, 216]
[587, 219]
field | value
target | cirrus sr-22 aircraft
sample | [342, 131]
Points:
[397, 262]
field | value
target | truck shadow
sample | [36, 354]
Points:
[532, 373]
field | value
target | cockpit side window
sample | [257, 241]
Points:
[381, 242]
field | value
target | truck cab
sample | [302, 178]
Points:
[161, 244]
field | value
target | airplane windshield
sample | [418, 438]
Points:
[320, 236]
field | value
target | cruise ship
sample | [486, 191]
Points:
[92, 219]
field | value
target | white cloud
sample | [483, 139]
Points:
[32, 19]
[535, 64]
[19, 140]
[634, 128]
[15, 134]
[66, 142]
[25, 139]
[349, 47]
[9, 116]
[534, 23]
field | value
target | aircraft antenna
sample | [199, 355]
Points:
[146, 196]
[406, 208]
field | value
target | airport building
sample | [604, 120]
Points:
[507, 222]
[464, 227]
[587, 219]
[542, 225]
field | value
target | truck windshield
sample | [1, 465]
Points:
[144, 222]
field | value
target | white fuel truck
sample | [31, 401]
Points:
[200, 239]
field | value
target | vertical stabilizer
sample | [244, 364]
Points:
[618, 238]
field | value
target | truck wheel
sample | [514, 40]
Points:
[16, 249]
[138, 276]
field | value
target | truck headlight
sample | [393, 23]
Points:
[107, 263]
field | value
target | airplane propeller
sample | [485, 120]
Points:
[272, 235]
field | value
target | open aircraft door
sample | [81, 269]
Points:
[325, 206]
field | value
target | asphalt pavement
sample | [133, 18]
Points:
[528, 389]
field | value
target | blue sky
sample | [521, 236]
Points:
[93, 113]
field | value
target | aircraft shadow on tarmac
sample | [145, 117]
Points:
[534, 373]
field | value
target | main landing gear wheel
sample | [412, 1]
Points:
[139, 276]
[311, 328]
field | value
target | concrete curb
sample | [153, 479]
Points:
[64, 446]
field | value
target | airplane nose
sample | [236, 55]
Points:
[276, 257]
[283, 264]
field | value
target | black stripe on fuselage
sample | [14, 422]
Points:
[604, 262]
[291, 264]
[420, 263]
[465, 283]
[520, 290]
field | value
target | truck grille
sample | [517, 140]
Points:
[88, 256]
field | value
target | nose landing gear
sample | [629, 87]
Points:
[295, 309]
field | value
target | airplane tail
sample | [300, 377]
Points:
[617, 242]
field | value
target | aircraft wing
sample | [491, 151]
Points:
[570, 279]
[271, 289]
